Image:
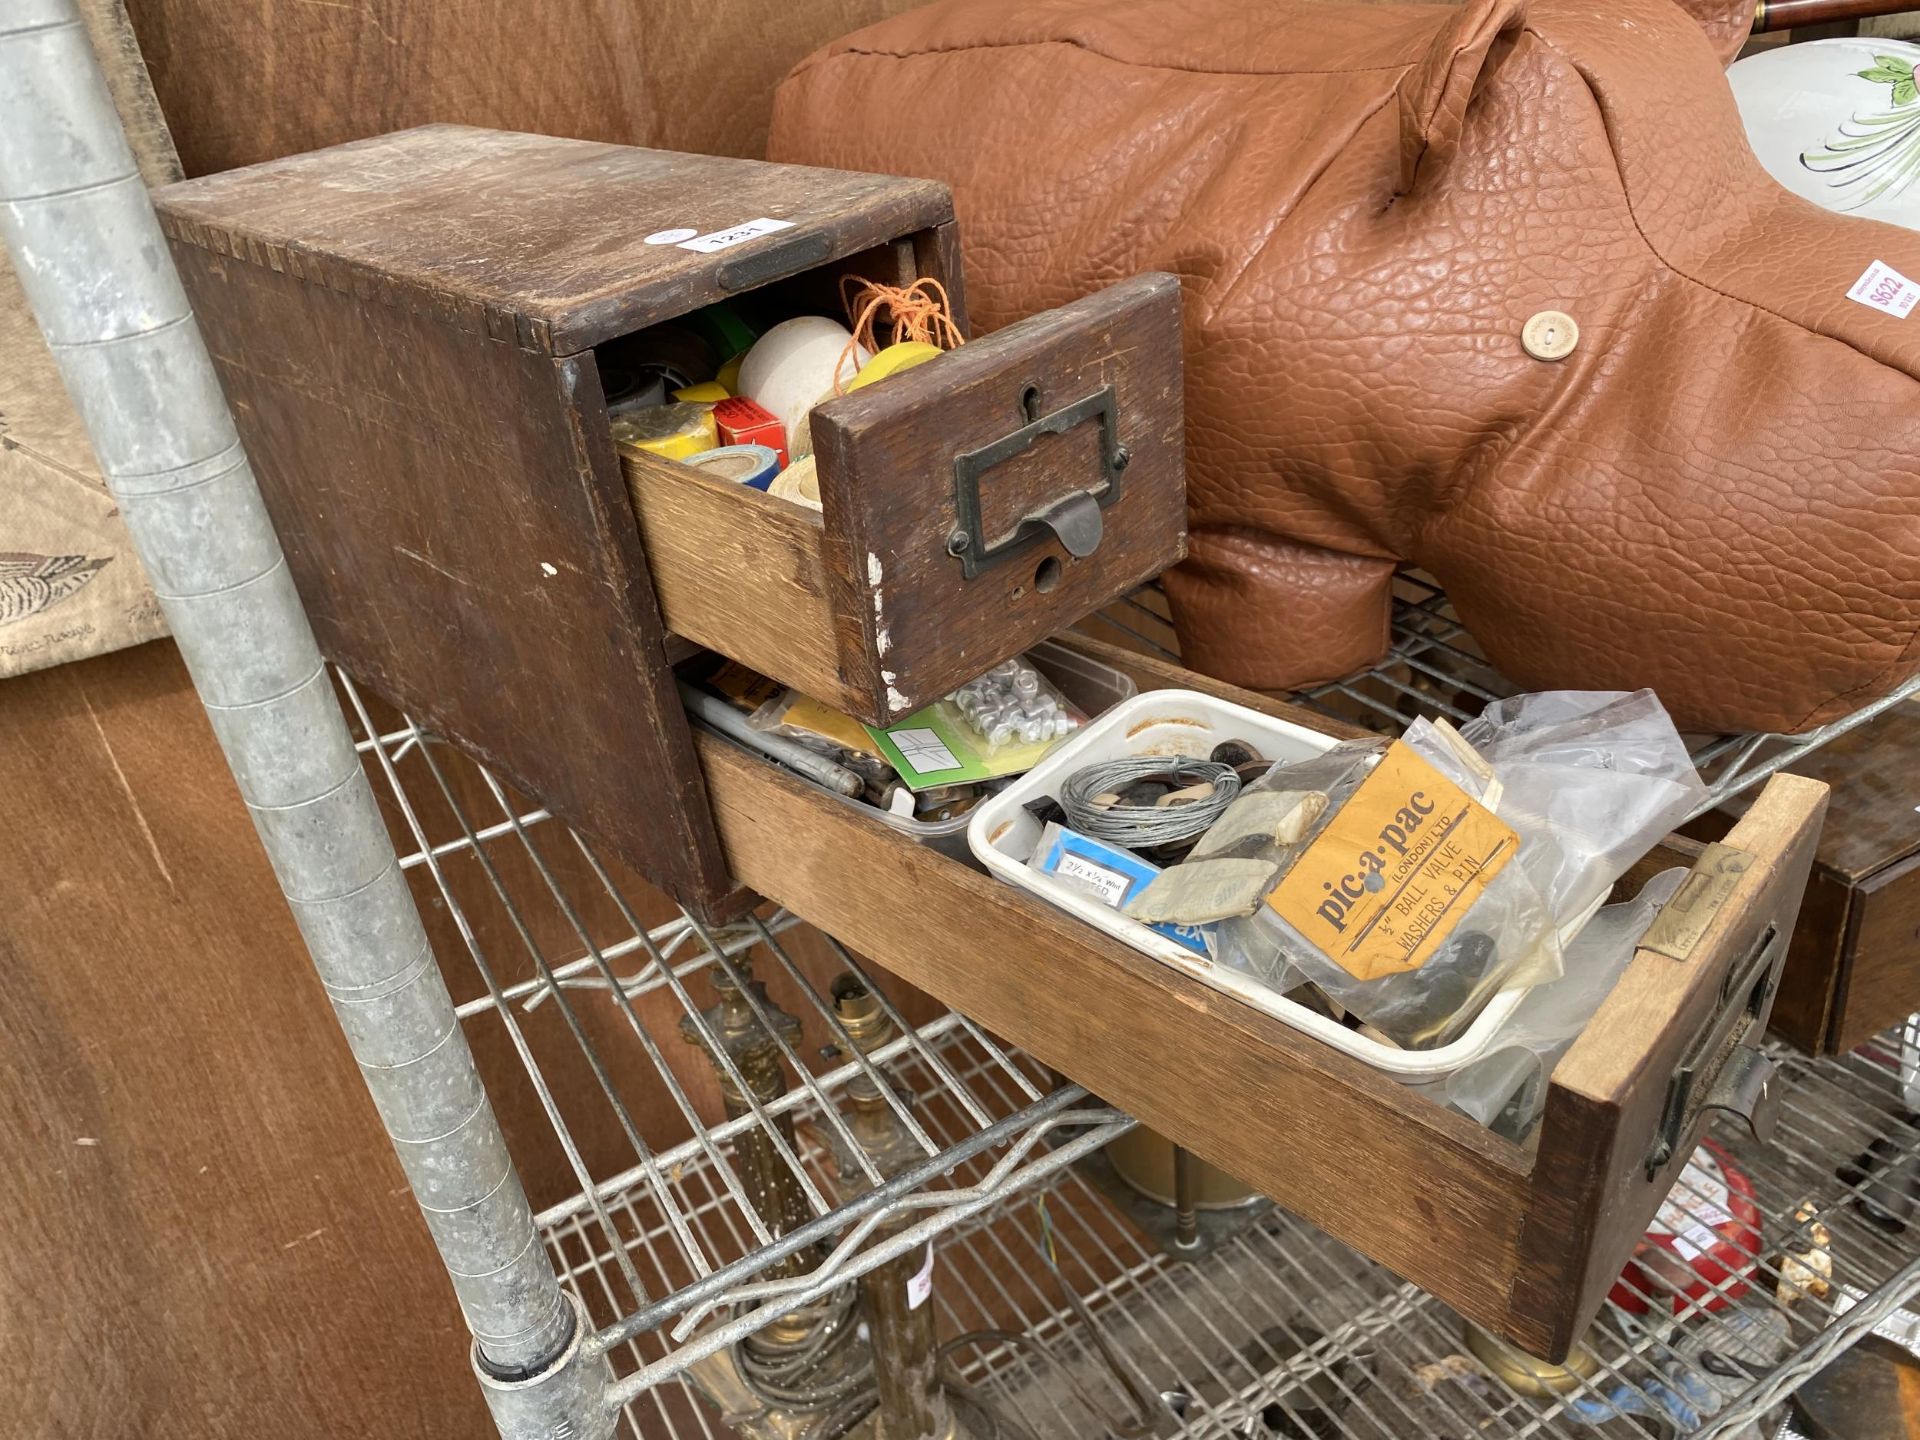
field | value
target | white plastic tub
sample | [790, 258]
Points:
[1184, 722]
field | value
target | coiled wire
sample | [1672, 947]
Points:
[791, 1376]
[1145, 826]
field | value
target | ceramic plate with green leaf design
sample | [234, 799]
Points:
[1838, 121]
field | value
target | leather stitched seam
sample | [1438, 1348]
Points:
[1224, 293]
[1081, 45]
[1633, 218]
[1876, 687]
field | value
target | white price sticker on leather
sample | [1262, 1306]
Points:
[1885, 288]
[734, 235]
[920, 1286]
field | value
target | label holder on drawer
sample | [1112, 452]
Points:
[1722, 1071]
[1074, 518]
[1685, 918]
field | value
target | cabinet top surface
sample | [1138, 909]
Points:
[542, 240]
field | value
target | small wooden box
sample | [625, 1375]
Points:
[406, 328]
[1853, 967]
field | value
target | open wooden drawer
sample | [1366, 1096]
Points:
[410, 330]
[971, 507]
[1523, 1240]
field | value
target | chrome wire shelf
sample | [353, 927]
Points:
[550, 950]
[1434, 667]
[1280, 1331]
[580, 981]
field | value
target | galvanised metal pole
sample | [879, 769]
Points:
[96, 270]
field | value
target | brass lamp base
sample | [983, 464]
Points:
[1525, 1373]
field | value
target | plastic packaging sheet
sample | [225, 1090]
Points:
[1587, 781]
[1591, 779]
[1506, 1087]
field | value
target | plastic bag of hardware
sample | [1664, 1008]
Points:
[819, 727]
[1013, 704]
[1444, 872]
[1328, 779]
[1402, 902]
[1506, 1088]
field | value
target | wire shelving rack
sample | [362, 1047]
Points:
[1077, 1324]
[656, 1230]
[1280, 1331]
[531, 921]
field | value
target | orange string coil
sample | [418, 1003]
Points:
[920, 311]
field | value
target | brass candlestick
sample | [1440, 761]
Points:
[895, 1296]
[788, 1380]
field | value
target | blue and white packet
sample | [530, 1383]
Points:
[1111, 875]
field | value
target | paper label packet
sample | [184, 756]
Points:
[1382, 886]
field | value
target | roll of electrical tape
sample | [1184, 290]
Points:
[721, 326]
[790, 369]
[894, 359]
[671, 431]
[681, 356]
[706, 392]
[753, 465]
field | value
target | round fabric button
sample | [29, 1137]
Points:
[1550, 335]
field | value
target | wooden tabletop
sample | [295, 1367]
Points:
[551, 231]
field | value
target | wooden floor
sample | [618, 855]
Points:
[205, 1233]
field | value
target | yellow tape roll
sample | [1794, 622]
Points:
[672, 432]
[892, 360]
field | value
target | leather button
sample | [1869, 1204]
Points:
[1550, 335]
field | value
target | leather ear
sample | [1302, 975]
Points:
[1434, 94]
[1727, 23]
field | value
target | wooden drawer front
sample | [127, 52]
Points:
[1879, 980]
[946, 492]
[1523, 1241]
[1853, 968]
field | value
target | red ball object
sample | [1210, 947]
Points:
[1702, 1244]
